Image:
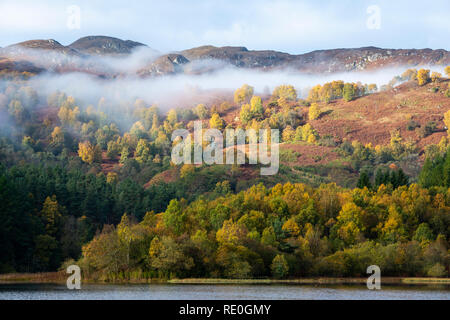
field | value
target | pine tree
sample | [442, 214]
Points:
[364, 180]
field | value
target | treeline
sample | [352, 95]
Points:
[291, 230]
[339, 89]
[48, 212]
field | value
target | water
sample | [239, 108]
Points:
[219, 292]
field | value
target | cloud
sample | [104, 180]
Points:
[292, 26]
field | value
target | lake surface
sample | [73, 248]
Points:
[219, 292]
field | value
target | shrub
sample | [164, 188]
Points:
[438, 270]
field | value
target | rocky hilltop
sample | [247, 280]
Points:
[101, 45]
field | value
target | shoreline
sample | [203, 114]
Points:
[61, 277]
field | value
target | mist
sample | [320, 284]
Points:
[115, 78]
[171, 90]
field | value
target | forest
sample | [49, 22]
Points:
[93, 184]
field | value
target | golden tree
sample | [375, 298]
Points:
[89, 153]
[216, 122]
[314, 111]
[243, 94]
[447, 71]
[436, 76]
[423, 77]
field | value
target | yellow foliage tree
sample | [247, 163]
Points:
[216, 122]
[423, 77]
[58, 136]
[447, 71]
[285, 91]
[291, 227]
[89, 153]
[243, 94]
[436, 76]
[314, 111]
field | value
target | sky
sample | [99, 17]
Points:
[292, 26]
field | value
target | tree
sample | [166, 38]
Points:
[51, 215]
[447, 71]
[201, 111]
[314, 111]
[423, 77]
[45, 251]
[287, 92]
[216, 122]
[436, 76]
[246, 113]
[423, 233]
[447, 121]
[113, 150]
[268, 237]
[186, 171]
[256, 106]
[58, 136]
[89, 153]
[349, 92]
[231, 233]
[172, 116]
[364, 180]
[279, 267]
[243, 94]
[125, 234]
[410, 74]
[174, 217]
[142, 153]
[167, 256]
[288, 134]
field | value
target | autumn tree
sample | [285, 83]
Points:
[287, 92]
[216, 121]
[423, 77]
[201, 111]
[243, 94]
[246, 114]
[51, 214]
[349, 92]
[142, 153]
[314, 111]
[113, 150]
[58, 136]
[172, 116]
[89, 153]
[447, 71]
[436, 76]
[410, 74]
[288, 134]
[256, 106]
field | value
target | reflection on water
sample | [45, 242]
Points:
[220, 292]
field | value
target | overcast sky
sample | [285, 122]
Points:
[283, 25]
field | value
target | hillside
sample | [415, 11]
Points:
[101, 45]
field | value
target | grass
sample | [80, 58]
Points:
[60, 277]
[324, 280]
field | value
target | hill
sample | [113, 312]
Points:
[205, 59]
[101, 45]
